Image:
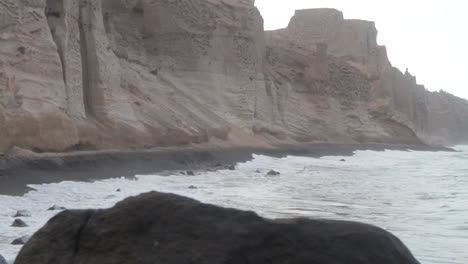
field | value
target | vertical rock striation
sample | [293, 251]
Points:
[32, 92]
[62, 18]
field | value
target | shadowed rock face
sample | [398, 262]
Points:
[100, 74]
[165, 228]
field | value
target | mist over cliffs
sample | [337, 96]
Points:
[102, 74]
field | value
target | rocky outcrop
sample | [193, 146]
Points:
[165, 228]
[323, 68]
[391, 106]
[102, 74]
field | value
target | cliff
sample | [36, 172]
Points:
[397, 107]
[102, 74]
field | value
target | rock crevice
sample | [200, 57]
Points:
[55, 14]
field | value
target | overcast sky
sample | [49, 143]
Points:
[427, 36]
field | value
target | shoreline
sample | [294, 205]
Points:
[16, 172]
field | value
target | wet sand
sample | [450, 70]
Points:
[16, 172]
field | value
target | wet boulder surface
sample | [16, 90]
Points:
[19, 223]
[166, 228]
[22, 213]
[3, 260]
[21, 240]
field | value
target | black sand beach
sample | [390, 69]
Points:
[16, 172]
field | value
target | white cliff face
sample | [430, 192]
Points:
[63, 20]
[99, 74]
[191, 67]
[396, 108]
[59, 75]
[334, 65]
[32, 92]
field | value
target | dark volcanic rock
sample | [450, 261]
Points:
[56, 208]
[273, 173]
[231, 167]
[190, 173]
[192, 187]
[21, 241]
[3, 260]
[19, 223]
[22, 213]
[166, 228]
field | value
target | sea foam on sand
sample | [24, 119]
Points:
[419, 196]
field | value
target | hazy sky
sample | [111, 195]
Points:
[428, 37]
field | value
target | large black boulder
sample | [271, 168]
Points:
[3, 260]
[169, 229]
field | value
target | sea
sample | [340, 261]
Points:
[422, 197]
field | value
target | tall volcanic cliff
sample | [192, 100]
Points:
[100, 74]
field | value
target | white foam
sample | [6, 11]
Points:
[420, 196]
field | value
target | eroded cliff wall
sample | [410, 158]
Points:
[60, 81]
[101, 74]
[394, 108]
